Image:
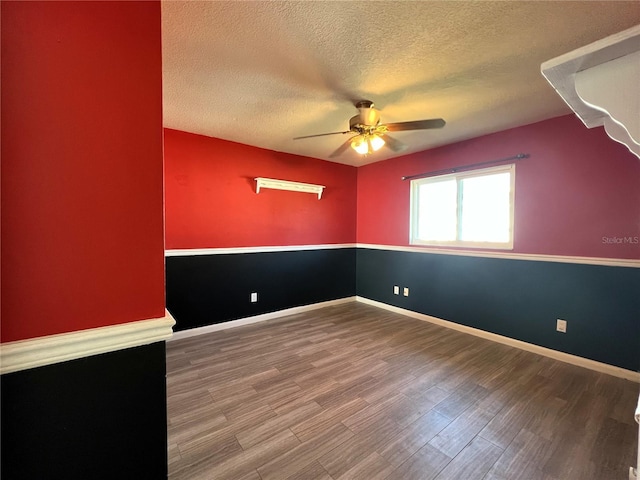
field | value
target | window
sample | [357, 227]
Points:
[467, 209]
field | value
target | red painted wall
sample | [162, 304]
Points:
[577, 187]
[82, 225]
[211, 198]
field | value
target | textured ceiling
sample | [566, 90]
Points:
[261, 73]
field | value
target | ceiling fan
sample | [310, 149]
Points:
[370, 135]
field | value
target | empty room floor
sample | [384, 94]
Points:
[356, 392]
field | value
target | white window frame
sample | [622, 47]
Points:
[413, 219]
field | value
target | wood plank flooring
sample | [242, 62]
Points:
[356, 392]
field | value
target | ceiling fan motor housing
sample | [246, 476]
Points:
[368, 116]
[358, 125]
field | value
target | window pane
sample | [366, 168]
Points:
[486, 208]
[437, 211]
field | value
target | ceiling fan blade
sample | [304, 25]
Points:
[393, 144]
[322, 135]
[416, 125]
[341, 149]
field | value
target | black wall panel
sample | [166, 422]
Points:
[516, 298]
[208, 289]
[99, 417]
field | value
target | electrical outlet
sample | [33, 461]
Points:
[561, 326]
[254, 297]
[396, 290]
[406, 291]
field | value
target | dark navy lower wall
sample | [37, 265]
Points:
[208, 289]
[519, 299]
[100, 417]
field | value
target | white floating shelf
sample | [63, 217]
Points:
[274, 184]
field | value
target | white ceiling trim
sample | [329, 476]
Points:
[600, 83]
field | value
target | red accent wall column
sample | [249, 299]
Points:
[82, 168]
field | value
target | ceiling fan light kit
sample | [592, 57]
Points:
[371, 135]
[366, 144]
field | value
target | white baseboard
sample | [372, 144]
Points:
[257, 318]
[547, 352]
[37, 352]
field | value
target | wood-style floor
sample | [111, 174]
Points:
[356, 392]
